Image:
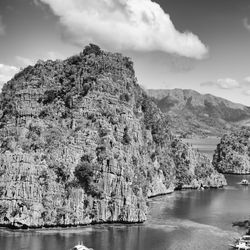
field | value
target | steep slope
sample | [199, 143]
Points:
[232, 155]
[82, 143]
[199, 114]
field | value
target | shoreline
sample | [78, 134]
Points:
[26, 228]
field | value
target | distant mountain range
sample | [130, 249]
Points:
[193, 113]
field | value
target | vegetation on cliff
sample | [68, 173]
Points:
[81, 142]
[232, 155]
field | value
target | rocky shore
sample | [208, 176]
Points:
[81, 143]
[243, 224]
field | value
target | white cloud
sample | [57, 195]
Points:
[6, 73]
[24, 61]
[51, 55]
[247, 79]
[2, 27]
[226, 83]
[246, 24]
[140, 25]
[246, 92]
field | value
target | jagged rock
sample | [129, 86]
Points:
[82, 143]
[232, 154]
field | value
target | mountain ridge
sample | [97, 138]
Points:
[202, 114]
[162, 93]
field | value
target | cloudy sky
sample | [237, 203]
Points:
[191, 44]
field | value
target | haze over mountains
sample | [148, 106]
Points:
[199, 114]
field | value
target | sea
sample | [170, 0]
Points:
[182, 220]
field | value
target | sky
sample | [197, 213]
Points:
[190, 44]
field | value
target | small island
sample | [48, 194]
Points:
[232, 155]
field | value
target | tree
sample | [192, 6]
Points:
[92, 49]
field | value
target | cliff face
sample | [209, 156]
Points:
[199, 114]
[82, 143]
[232, 155]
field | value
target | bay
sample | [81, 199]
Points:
[183, 220]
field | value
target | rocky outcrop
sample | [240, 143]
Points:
[82, 143]
[192, 169]
[232, 155]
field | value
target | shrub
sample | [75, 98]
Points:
[125, 97]
[62, 172]
[203, 170]
[126, 137]
[10, 109]
[129, 64]
[2, 190]
[44, 175]
[53, 137]
[44, 113]
[3, 209]
[183, 176]
[2, 172]
[32, 140]
[49, 96]
[61, 214]
[69, 102]
[92, 49]
[35, 129]
[84, 173]
[103, 132]
[16, 211]
[86, 87]
[134, 160]
[101, 153]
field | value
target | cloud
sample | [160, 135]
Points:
[226, 83]
[37, 3]
[140, 25]
[51, 55]
[247, 79]
[246, 92]
[6, 73]
[246, 24]
[24, 61]
[2, 27]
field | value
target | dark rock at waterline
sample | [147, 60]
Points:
[245, 223]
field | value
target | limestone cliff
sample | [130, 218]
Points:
[82, 143]
[232, 155]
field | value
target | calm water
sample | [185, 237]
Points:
[183, 220]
